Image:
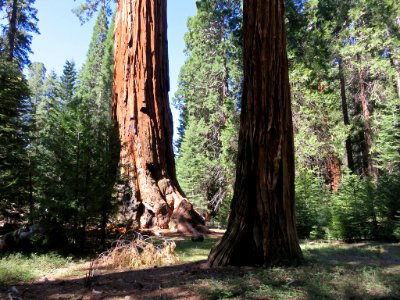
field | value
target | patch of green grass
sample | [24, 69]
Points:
[19, 268]
[189, 251]
[330, 271]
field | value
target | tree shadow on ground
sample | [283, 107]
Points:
[331, 273]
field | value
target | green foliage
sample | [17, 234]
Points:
[14, 95]
[354, 210]
[189, 251]
[68, 82]
[21, 22]
[17, 268]
[86, 10]
[363, 209]
[344, 64]
[207, 97]
[73, 145]
[313, 210]
[333, 271]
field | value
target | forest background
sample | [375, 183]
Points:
[59, 154]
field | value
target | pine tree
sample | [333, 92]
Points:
[58, 128]
[208, 96]
[68, 82]
[14, 95]
[94, 102]
[108, 130]
[17, 31]
[86, 10]
[36, 78]
[343, 71]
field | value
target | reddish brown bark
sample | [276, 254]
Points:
[334, 171]
[141, 108]
[369, 169]
[261, 229]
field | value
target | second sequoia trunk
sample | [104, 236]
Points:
[261, 229]
[141, 108]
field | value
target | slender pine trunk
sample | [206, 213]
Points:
[346, 119]
[12, 32]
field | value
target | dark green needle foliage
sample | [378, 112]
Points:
[21, 23]
[14, 95]
[208, 98]
[73, 143]
[345, 90]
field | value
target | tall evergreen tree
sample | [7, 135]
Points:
[86, 10]
[208, 97]
[36, 78]
[343, 71]
[68, 82]
[93, 106]
[14, 96]
[21, 22]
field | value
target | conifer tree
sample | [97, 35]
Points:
[21, 22]
[208, 97]
[14, 96]
[36, 78]
[93, 106]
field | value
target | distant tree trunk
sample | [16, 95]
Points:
[396, 64]
[346, 119]
[104, 220]
[30, 197]
[12, 32]
[261, 229]
[141, 107]
[369, 169]
[334, 171]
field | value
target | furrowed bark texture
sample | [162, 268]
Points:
[141, 108]
[261, 229]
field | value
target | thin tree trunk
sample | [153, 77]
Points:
[31, 202]
[141, 107]
[85, 205]
[369, 169]
[346, 119]
[12, 32]
[261, 229]
[396, 65]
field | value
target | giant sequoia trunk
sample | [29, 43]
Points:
[261, 229]
[141, 107]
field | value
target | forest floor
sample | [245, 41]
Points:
[332, 270]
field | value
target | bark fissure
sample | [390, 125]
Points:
[141, 76]
[261, 229]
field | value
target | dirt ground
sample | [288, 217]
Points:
[173, 282]
[155, 283]
[158, 283]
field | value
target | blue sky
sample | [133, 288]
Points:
[64, 38]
